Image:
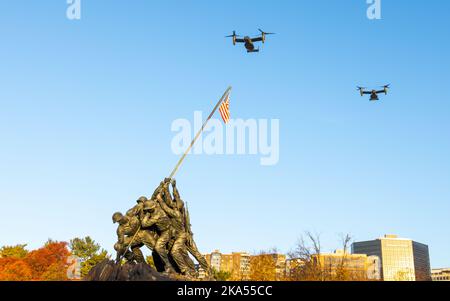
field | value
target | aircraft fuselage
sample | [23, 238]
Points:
[374, 96]
[249, 45]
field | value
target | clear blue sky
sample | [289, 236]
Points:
[86, 108]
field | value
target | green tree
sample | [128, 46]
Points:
[89, 252]
[17, 251]
[221, 275]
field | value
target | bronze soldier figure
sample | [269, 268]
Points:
[131, 235]
[184, 241]
[126, 231]
[190, 243]
[137, 209]
[192, 246]
[154, 216]
[178, 250]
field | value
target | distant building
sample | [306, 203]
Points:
[356, 266]
[215, 260]
[237, 263]
[373, 268]
[440, 274]
[401, 259]
[280, 265]
[240, 266]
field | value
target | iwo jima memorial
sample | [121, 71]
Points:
[160, 223]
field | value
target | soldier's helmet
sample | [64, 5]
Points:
[117, 217]
[150, 205]
[142, 199]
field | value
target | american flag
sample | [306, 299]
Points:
[225, 109]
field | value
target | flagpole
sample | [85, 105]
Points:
[175, 170]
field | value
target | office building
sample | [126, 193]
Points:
[401, 259]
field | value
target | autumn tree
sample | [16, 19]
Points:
[12, 265]
[310, 264]
[304, 267]
[17, 251]
[89, 252]
[14, 269]
[267, 266]
[50, 262]
[262, 268]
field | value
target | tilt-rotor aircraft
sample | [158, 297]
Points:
[373, 93]
[248, 41]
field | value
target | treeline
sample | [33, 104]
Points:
[304, 263]
[52, 262]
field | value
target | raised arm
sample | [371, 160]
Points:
[157, 190]
[171, 212]
[167, 196]
[176, 193]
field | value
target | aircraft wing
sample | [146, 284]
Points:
[259, 39]
[380, 91]
[367, 92]
[240, 41]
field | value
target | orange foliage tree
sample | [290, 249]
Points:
[267, 266]
[14, 269]
[48, 263]
[262, 268]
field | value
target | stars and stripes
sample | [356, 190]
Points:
[225, 109]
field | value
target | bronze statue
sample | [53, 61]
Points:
[162, 224]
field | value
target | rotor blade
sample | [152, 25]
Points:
[266, 33]
[233, 35]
